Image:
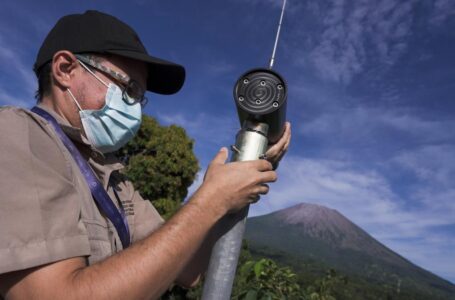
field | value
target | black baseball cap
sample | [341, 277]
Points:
[97, 32]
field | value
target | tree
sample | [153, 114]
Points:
[161, 164]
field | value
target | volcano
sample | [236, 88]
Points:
[312, 238]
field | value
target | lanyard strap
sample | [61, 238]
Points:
[101, 197]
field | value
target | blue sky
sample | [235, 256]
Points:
[371, 88]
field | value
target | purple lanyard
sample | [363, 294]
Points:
[101, 197]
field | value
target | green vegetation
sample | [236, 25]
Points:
[263, 279]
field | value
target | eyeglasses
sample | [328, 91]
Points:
[131, 88]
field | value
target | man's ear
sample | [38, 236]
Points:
[64, 64]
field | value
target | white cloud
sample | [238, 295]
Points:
[14, 100]
[434, 164]
[14, 68]
[367, 123]
[343, 39]
[442, 10]
[350, 30]
[433, 252]
[197, 183]
[331, 182]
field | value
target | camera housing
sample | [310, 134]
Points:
[261, 96]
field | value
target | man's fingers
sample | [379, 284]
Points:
[273, 151]
[221, 157]
[286, 136]
[288, 141]
[269, 176]
[253, 199]
[263, 189]
[262, 165]
[281, 144]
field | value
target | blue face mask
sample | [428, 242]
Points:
[111, 127]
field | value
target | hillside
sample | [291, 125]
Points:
[312, 239]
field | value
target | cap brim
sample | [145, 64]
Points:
[164, 77]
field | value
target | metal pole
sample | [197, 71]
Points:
[272, 60]
[267, 106]
[251, 144]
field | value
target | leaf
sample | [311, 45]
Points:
[252, 295]
[258, 267]
[246, 268]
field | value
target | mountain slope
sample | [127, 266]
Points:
[313, 238]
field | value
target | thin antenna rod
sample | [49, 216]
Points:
[272, 60]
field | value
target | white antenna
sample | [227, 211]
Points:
[272, 59]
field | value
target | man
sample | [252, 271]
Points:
[56, 241]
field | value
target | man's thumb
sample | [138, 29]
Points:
[221, 156]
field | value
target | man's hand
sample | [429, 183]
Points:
[276, 151]
[227, 188]
[234, 185]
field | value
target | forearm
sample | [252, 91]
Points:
[199, 263]
[147, 268]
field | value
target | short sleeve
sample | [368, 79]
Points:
[40, 210]
[146, 219]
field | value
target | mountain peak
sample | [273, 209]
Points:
[305, 213]
[330, 226]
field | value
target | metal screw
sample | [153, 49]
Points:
[275, 104]
[241, 98]
[245, 81]
[280, 87]
[235, 149]
[262, 82]
[258, 101]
